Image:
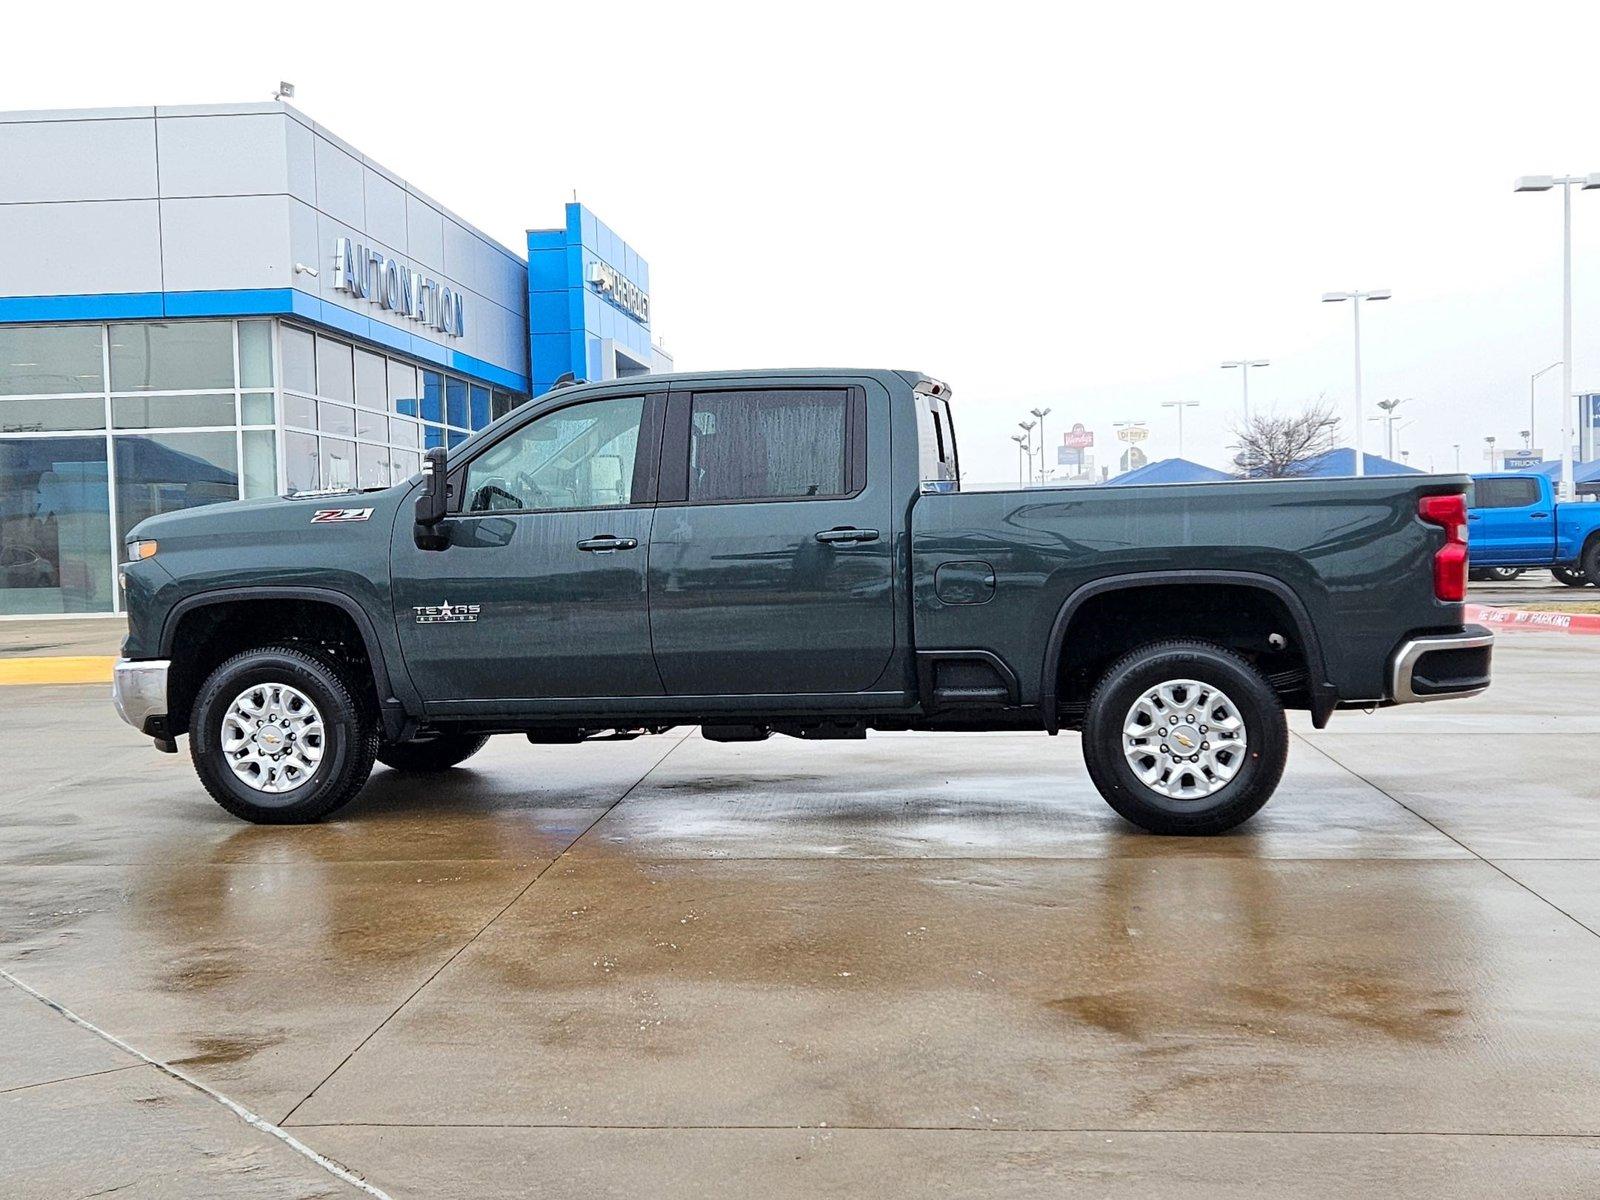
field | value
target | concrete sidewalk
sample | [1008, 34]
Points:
[65, 650]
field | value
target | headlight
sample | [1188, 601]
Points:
[141, 550]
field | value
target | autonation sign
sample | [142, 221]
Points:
[371, 275]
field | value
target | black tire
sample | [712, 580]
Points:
[1502, 574]
[349, 737]
[1571, 576]
[1590, 561]
[1266, 738]
[1477, 574]
[429, 754]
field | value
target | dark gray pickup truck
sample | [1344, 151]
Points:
[784, 552]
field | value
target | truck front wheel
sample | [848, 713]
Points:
[429, 754]
[278, 738]
[1185, 737]
[1591, 561]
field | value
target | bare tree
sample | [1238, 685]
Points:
[1269, 446]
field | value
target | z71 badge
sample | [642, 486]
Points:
[446, 613]
[331, 516]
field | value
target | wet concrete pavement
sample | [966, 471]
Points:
[917, 965]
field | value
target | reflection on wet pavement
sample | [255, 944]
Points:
[674, 967]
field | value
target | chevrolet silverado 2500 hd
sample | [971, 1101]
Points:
[783, 552]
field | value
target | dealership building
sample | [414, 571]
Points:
[207, 303]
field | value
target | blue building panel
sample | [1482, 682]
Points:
[595, 322]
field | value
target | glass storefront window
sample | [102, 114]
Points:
[336, 418]
[159, 473]
[256, 408]
[432, 396]
[171, 412]
[300, 461]
[371, 426]
[480, 407]
[403, 388]
[57, 413]
[371, 381]
[297, 410]
[455, 404]
[55, 526]
[405, 433]
[500, 405]
[372, 466]
[255, 354]
[50, 360]
[338, 461]
[334, 378]
[260, 463]
[156, 356]
[299, 360]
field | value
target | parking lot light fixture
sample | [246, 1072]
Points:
[1041, 414]
[1180, 405]
[1355, 299]
[1243, 365]
[1544, 183]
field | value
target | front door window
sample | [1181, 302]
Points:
[577, 457]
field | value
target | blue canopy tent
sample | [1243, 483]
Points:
[1341, 461]
[1582, 472]
[1172, 470]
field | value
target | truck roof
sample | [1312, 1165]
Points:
[884, 375]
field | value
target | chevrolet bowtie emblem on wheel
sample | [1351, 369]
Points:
[446, 613]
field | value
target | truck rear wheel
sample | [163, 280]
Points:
[278, 738]
[428, 754]
[1571, 576]
[1185, 737]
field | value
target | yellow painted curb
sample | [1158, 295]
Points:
[87, 668]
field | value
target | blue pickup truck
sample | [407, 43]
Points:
[1514, 522]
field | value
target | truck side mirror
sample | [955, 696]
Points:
[431, 503]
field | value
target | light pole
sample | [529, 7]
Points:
[1022, 449]
[1041, 414]
[1456, 446]
[1388, 420]
[1543, 183]
[1355, 299]
[1532, 406]
[1027, 444]
[1527, 439]
[1243, 365]
[1180, 405]
[1488, 440]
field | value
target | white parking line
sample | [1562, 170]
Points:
[238, 1110]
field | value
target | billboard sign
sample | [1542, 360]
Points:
[1078, 438]
[1133, 434]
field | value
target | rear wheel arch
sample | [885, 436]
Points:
[1274, 592]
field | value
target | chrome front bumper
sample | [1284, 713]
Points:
[139, 690]
[1449, 666]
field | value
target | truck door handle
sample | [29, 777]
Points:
[1539, 516]
[846, 534]
[605, 544]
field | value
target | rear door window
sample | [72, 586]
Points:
[779, 444]
[1504, 493]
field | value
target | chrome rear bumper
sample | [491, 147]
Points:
[139, 690]
[1450, 666]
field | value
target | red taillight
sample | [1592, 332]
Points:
[1450, 561]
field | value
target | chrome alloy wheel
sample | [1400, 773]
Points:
[272, 737]
[1184, 739]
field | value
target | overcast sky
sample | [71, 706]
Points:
[1086, 208]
